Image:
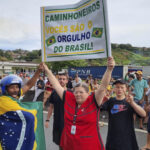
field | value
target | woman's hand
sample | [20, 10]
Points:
[41, 67]
[45, 67]
[110, 63]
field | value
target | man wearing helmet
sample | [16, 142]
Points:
[11, 85]
[20, 122]
[13, 90]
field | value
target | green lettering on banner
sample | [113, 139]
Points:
[72, 48]
[67, 48]
[47, 18]
[76, 15]
[98, 5]
[70, 16]
[79, 47]
[52, 18]
[58, 49]
[64, 16]
[84, 12]
[56, 16]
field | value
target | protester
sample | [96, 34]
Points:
[20, 123]
[24, 79]
[121, 134]
[148, 93]
[69, 84]
[88, 82]
[129, 77]
[81, 111]
[147, 146]
[95, 84]
[90, 77]
[76, 80]
[56, 104]
[39, 88]
[147, 99]
[139, 89]
[47, 92]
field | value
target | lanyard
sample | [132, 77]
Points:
[75, 115]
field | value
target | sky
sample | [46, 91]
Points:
[129, 22]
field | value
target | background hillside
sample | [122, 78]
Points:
[124, 54]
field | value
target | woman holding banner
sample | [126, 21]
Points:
[81, 113]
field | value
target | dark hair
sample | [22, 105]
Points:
[63, 74]
[84, 85]
[119, 81]
[131, 76]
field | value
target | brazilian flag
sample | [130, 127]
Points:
[50, 41]
[21, 125]
[97, 32]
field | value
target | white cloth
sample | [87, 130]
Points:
[37, 93]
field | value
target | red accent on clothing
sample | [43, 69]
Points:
[87, 136]
[48, 88]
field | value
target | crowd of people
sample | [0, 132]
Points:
[76, 104]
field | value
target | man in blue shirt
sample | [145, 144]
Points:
[139, 89]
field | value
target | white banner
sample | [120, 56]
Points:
[78, 31]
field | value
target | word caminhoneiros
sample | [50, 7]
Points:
[73, 16]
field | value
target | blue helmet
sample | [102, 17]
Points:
[9, 80]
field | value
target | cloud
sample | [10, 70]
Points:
[129, 22]
[15, 30]
[20, 22]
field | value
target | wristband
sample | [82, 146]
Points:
[47, 120]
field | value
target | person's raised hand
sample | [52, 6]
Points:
[129, 97]
[40, 67]
[110, 63]
[45, 67]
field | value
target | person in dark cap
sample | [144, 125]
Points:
[121, 134]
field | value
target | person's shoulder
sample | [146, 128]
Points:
[112, 100]
[68, 92]
[68, 89]
[54, 92]
[144, 80]
[134, 80]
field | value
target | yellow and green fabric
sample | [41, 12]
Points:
[21, 125]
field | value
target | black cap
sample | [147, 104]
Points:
[119, 81]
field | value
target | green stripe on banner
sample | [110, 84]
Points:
[73, 55]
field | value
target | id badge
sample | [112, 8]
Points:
[73, 129]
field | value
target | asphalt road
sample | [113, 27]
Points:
[140, 134]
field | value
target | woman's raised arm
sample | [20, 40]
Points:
[55, 84]
[100, 92]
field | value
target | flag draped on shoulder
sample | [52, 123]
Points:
[78, 31]
[21, 125]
